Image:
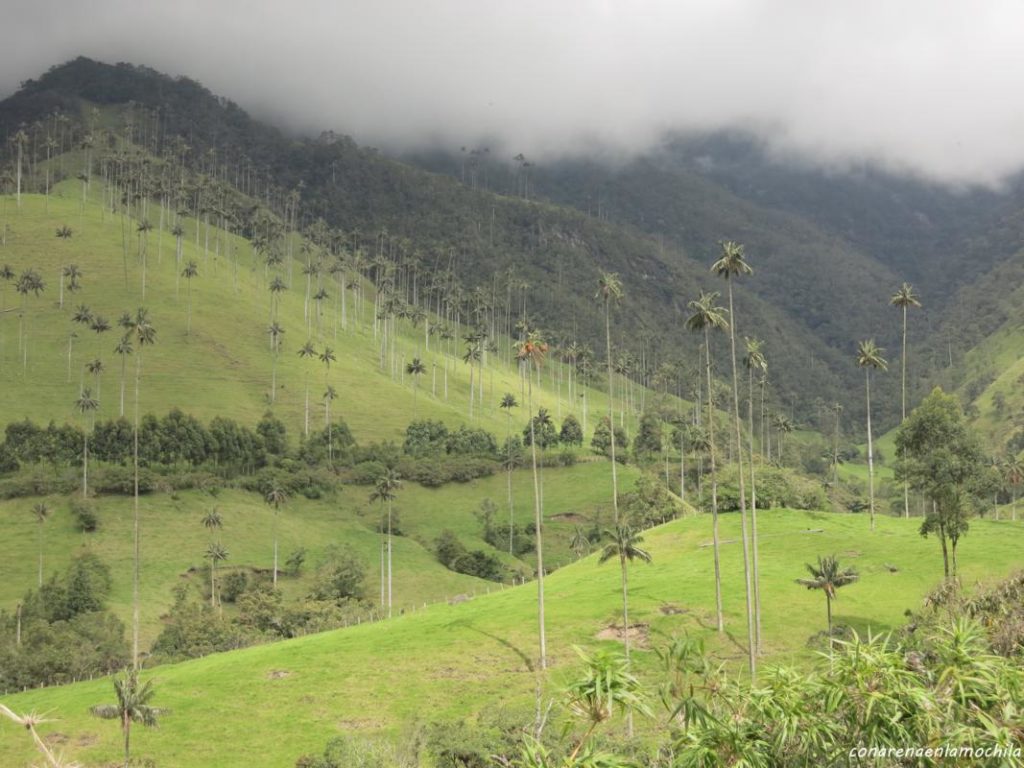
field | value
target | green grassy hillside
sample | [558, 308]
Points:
[224, 366]
[267, 705]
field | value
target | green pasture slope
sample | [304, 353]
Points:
[267, 705]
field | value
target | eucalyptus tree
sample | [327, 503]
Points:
[754, 360]
[276, 496]
[86, 404]
[142, 330]
[828, 576]
[384, 491]
[609, 291]
[41, 512]
[869, 357]
[531, 351]
[133, 706]
[190, 271]
[306, 352]
[905, 299]
[730, 265]
[707, 316]
[276, 332]
[624, 544]
[508, 402]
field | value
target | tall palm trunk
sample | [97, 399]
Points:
[511, 508]
[903, 406]
[751, 646]
[137, 533]
[714, 485]
[85, 468]
[871, 452]
[611, 406]
[753, 516]
[275, 545]
[625, 631]
[538, 523]
[389, 559]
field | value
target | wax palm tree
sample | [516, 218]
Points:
[624, 544]
[905, 299]
[609, 291]
[133, 706]
[276, 332]
[40, 511]
[869, 357]
[191, 270]
[1013, 474]
[306, 352]
[754, 360]
[86, 403]
[508, 402]
[384, 491]
[19, 140]
[330, 395]
[730, 265]
[95, 369]
[277, 287]
[828, 577]
[124, 349]
[472, 357]
[144, 334]
[707, 316]
[531, 351]
[215, 553]
[415, 368]
[276, 497]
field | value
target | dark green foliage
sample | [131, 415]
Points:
[294, 562]
[649, 504]
[84, 514]
[466, 441]
[232, 584]
[340, 576]
[522, 542]
[193, 629]
[434, 472]
[338, 439]
[454, 556]
[274, 434]
[571, 432]
[647, 445]
[543, 429]
[601, 442]
[425, 438]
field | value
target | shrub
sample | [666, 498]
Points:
[84, 513]
[571, 432]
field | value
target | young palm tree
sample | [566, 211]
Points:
[132, 706]
[86, 403]
[705, 318]
[609, 291]
[276, 332]
[730, 265]
[624, 543]
[531, 351]
[870, 357]
[191, 270]
[40, 511]
[828, 577]
[508, 402]
[384, 491]
[415, 368]
[276, 497]
[904, 298]
[144, 333]
[754, 360]
[306, 352]
[215, 553]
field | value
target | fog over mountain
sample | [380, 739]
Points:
[930, 88]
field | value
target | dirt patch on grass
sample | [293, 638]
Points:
[360, 724]
[852, 553]
[278, 674]
[569, 517]
[668, 609]
[55, 739]
[639, 635]
[86, 740]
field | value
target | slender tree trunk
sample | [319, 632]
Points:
[389, 560]
[714, 486]
[538, 524]
[625, 631]
[871, 452]
[127, 726]
[831, 643]
[942, 541]
[40, 536]
[751, 645]
[903, 406]
[275, 545]
[511, 509]
[753, 517]
[85, 468]
[611, 407]
[137, 534]
[213, 583]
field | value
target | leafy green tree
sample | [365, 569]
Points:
[942, 459]
[869, 357]
[571, 432]
[384, 491]
[707, 316]
[276, 497]
[133, 706]
[508, 402]
[624, 544]
[41, 512]
[542, 428]
[648, 438]
[828, 576]
[905, 299]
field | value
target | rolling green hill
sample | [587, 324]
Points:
[270, 704]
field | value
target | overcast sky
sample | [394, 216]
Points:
[935, 86]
